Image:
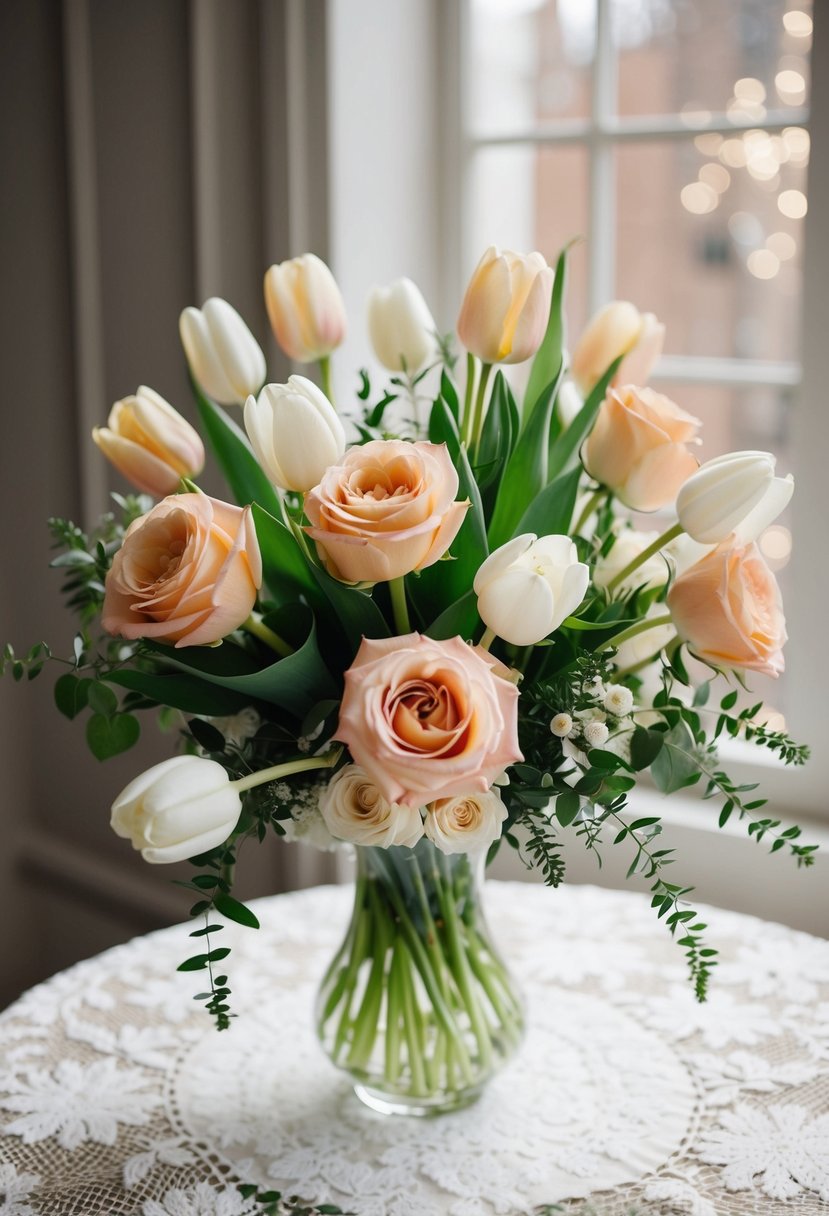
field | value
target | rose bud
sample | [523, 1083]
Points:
[400, 326]
[354, 810]
[187, 572]
[468, 824]
[728, 608]
[388, 509]
[506, 307]
[225, 358]
[528, 586]
[295, 433]
[617, 329]
[637, 447]
[734, 493]
[150, 443]
[177, 809]
[305, 308]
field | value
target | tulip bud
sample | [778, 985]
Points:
[305, 308]
[150, 443]
[177, 809]
[735, 493]
[400, 326]
[224, 357]
[295, 433]
[617, 329]
[506, 307]
[528, 586]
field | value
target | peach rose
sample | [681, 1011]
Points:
[428, 719]
[388, 509]
[638, 447]
[728, 608]
[187, 572]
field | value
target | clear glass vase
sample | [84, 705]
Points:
[417, 1006]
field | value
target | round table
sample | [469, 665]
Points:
[118, 1097]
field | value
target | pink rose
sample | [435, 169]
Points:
[428, 719]
[388, 509]
[638, 447]
[187, 572]
[728, 608]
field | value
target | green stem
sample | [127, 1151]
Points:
[413, 1024]
[394, 1011]
[286, 770]
[462, 971]
[255, 626]
[366, 1022]
[325, 377]
[399, 607]
[590, 506]
[640, 627]
[360, 952]
[466, 421]
[641, 558]
[487, 638]
[480, 401]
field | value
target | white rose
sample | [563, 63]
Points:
[354, 809]
[466, 824]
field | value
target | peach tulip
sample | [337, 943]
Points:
[150, 443]
[506, 307]
[305, 308]
[617, 329]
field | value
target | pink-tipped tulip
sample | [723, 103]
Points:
[150, 443]
[305, 308]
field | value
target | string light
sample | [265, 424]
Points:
[792, 204]
[763, 264]
[699, 198]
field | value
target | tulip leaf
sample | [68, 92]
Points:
[450, 395]
[546, 366]
[443, 427]
[458, 620]
[551, 512]
[566, 447]
[109, 736]
[235, 456]
[189, 693]
[526, 473]
[355, 611]
[499, 433]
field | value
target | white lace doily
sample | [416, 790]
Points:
[117, 1097]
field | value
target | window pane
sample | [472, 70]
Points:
[741, 57]
[530, 62]
[523, 197]
[710, 239]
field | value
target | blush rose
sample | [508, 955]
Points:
[388, 509]
[428, 719]
[187, 572]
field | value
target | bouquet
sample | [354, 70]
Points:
[428, 626]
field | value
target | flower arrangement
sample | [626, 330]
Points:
[439, 635]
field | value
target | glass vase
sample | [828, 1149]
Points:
[417, 1006]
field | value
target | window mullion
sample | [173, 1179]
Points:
[602, 227]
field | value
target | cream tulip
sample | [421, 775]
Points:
[617, 329]
[225, 358]
[737, 493]
[150, 443]
[528, 586]
[295, 433]
[400, 326]
[506, 307]
[305, 308]
[177, 809]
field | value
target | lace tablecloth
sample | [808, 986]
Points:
[118, 1098]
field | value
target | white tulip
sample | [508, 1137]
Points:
[177, 809]
[354, 810]
[737, 493]
[468, 824]
[295, 433]
[224, 357]
[627, 546]
[528, 586]
[400, 326]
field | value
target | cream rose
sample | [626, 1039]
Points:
[468, 824]
[428, 719]
[638, 447]
[187, 572]
[388, 509]
[729, 610]
[354, 809]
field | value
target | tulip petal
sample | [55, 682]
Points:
[774, 502]
[518, 606]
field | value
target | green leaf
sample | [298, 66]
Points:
[729, 700]
[645, 746]
[546, 366]
[234, 910]
[71, 694]
[111, 736]
[206, 735]
[458, 620]
[568, 805]
[102, 700]
[674, 767]
[551, 512]
[565, 450]
[526, 473]
[197, 963]
[450, 395]
[235, 456]
[353, 611]
[443, 427]
[702, 692]
[499, 433]
[189, 693]
[287, 571]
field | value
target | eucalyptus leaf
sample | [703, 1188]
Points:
[108, 737]
[71, 694]
[674, 767]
